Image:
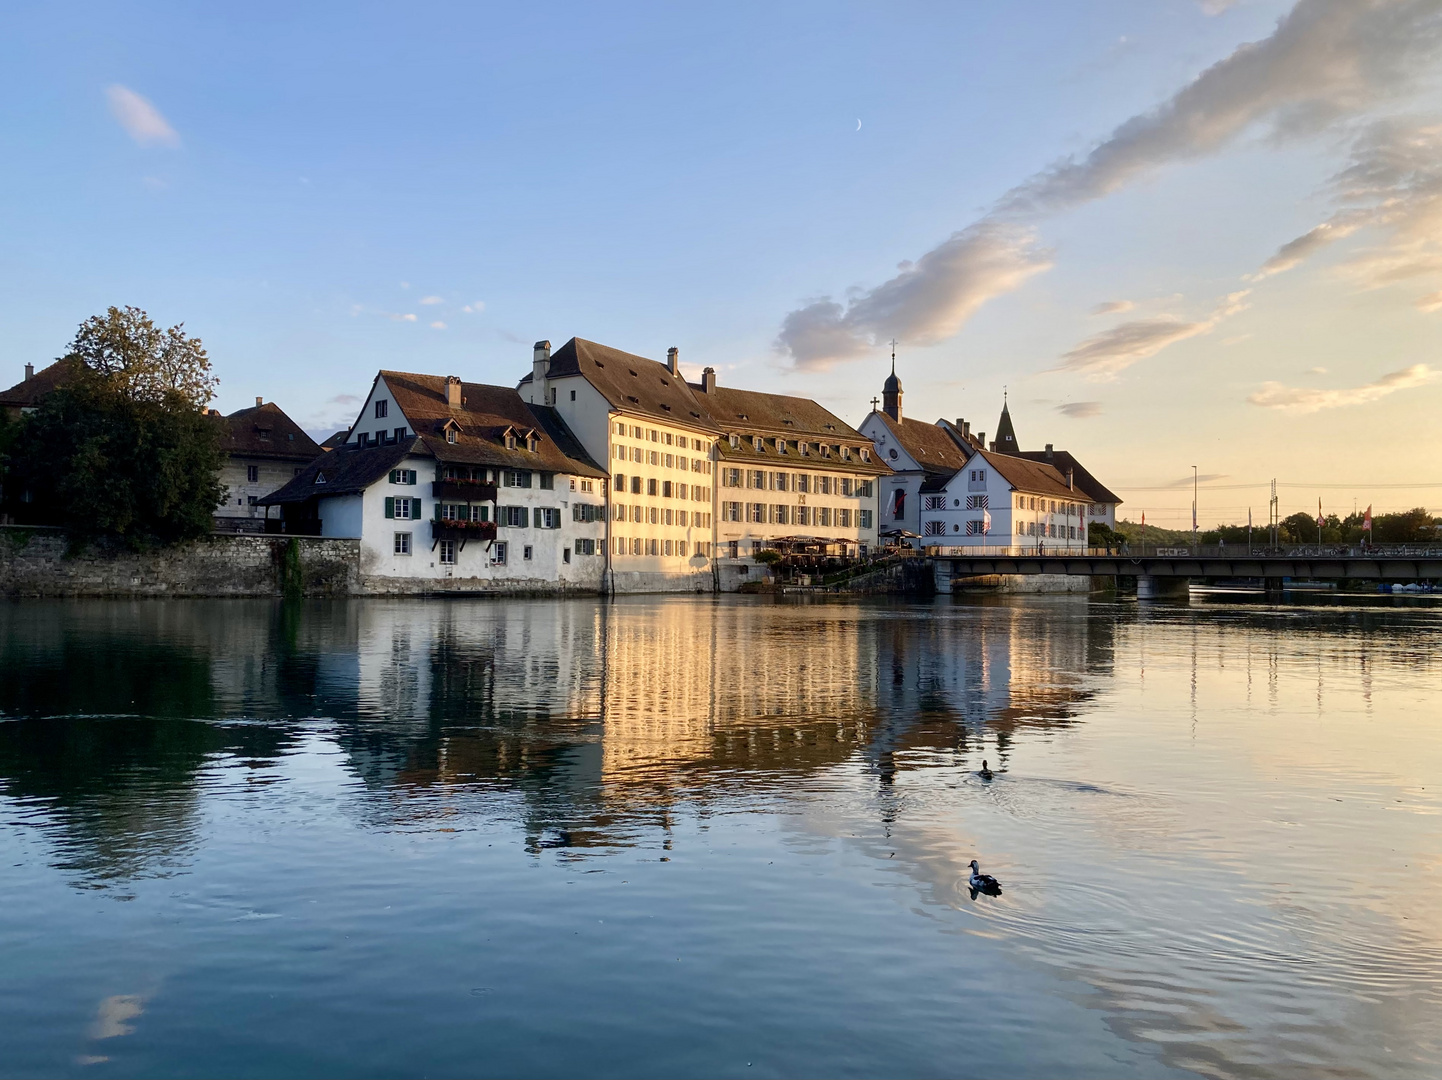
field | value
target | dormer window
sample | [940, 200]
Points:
[510, 440]
[320, 478]
[758, 444]
[781, 446]
[825, 450]
[865, 454]
[803, 448]
[846, 453]
[450, 435]
[533, 442]
[735, 442]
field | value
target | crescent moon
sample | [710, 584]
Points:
[858, 124]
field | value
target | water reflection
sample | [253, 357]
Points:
[1172, 786]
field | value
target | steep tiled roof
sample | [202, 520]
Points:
[265, 431]
[346, 471]
[631, 383]
[485, 414]
[1033, 477]
[792, 419]
[1005, 434]
[337, 440]
[930, 444]
[1090, 487]
[28, 392]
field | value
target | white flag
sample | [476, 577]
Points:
[986, 521]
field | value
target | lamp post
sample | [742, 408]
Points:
[1194, 508]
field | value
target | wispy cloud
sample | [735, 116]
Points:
[1216, 7]
[1113, 307]
[927, 302]
[475, 307]
[396, 316]
[429, 300]
[438, 325]
[1103, 356]
[140, 119]
[1301, 399]
[1327, 60]
[1080, 410]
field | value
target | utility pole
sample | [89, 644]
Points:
[1194, 507]
[1273, 514]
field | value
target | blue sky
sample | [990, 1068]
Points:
[321, 192]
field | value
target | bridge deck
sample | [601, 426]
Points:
[1397, 568]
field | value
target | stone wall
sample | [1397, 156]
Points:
[38, 562]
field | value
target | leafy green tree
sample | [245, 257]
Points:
[125, 450]
[1415, 526]
[141, 361]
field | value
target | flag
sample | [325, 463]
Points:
[1249, 517]
[1320, 519]
[1367, 518]
[985, 521]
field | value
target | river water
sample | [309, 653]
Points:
[719, 837]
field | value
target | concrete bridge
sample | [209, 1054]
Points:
[1166, 571]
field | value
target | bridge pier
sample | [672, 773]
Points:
[1273, 587]
[1152, 587]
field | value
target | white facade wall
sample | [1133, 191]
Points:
[762, 500]
[370, 424]
[341, 516]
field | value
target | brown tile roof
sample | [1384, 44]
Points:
[485, 414]
[337, 440]
[930, 444]
[347, 470]
[28, 392]
[1033, 477]
[265, 431]
[794, 419]
[632, 384]
[1090, 487]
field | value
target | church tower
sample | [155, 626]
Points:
[1005, 435]
[891, 393]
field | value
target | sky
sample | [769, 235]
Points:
[1173, 233]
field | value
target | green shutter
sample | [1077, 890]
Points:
[415, 509]
[390, 506]
[485, 513]
[394, 474]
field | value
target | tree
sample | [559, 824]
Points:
[125, 450]
[143, 362]
[1415, 526]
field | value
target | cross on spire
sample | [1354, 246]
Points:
[893, 355]
[874, 403]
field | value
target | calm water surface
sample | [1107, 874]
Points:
[701, 837]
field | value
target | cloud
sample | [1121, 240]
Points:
[1080, 410]
[1430, 302]
[1316, 371]
[428, 300]
[1216, 7]
[343, 399]
[1103, 356]
[1274, 395]
[475, 307]
[438, 325]
[396, 316]
[1200, 478]
[1113, 307]
[927, 302]
[1303, 247]
[140, 119]
[1326, 60]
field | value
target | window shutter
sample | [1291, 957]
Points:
[395, 473]
[415, 509]
[390, 506]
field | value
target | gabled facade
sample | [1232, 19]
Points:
[642, 419]
[460, 486]
[1101, 501]
[1003, 500]
[265, 449]
[791, 477]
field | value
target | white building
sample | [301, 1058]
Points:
[647, 424]
[459, 486]
[1003, 500]
[792, 477]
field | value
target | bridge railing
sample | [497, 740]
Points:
[1059, 550]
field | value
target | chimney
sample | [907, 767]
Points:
[453, 391]
[671, 359]
[1071, 479]
[540, 369]
[708, 381]
[1048, 451]
[259, 401]
[29, 372]
[981, 438]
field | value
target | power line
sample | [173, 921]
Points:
[1310, 487]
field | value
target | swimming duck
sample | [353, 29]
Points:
[984, 882]
[985, 772]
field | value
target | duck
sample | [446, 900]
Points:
[983, 882]
[985, 772]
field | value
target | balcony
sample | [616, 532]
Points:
[464, 490]
[463, 530]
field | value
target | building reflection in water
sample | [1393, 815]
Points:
[590, 721]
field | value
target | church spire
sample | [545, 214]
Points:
[891, 390]
[1005, 434]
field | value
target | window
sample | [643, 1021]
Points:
[513, 517]
[731, 511]
[533, 443]
[653, 515]
[681, 548]
[934, 502]
[976, 528]
[635, 485]
[403, 476]
[666, 489]
[638, 455]
[846, 453]
[681, 518]
[621, 545]
[573, 395]
[803, 515]
[548, 517]
[587, 512]
[863, 519]
[823, 485]
[252, 499]
[847, 486]
[586, 485]
[781, 446]
[618, 512]
[735, 552]
[1093, 510]
[517, 478]
[618, 427]
[451, 435]
[320, 478]
[804, 449]
[730, 477]
[653, 435]
[780, 514]
[448, 552]
[404, 509]
[863, 489]
[403, 544]
[586, 547]
[548, 481]
[666, 547]
[637, 546]
[843, 518]
[620, 482]
[803, 482]
[668, 517]
[498, 554]
[757, 444]
[382, 408]
[757, 513]
[898, 503]
[978, 502]
[362, 438]
[823, 516]
[865, 454]
[933, 528]
[252, 474]
[526, 551]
